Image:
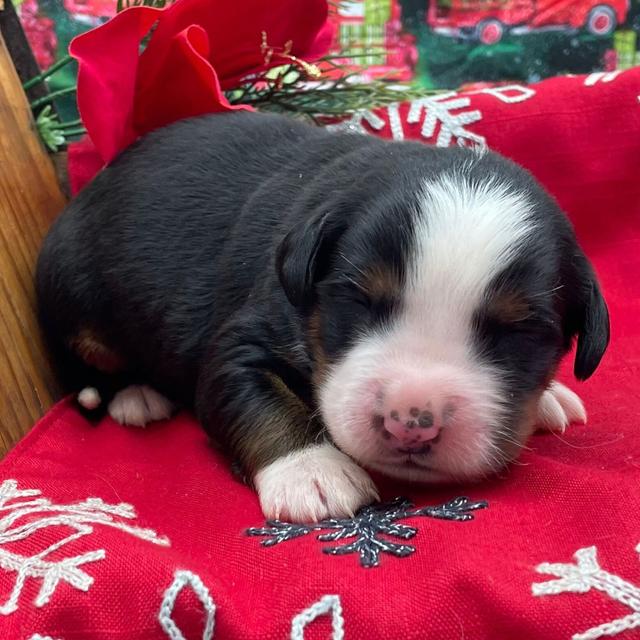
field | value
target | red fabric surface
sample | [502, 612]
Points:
[465, 579]
[198, 48]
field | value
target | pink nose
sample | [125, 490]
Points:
[412, 419]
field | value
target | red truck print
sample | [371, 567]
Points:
[487, 21]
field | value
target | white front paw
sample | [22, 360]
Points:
[138, 405]
[558, 407]
[313, 484]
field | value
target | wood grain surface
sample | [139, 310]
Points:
[30, 198]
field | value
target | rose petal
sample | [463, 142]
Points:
[235, 31]
[108, 63]
[177, 81]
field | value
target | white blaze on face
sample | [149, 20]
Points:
[466, 233]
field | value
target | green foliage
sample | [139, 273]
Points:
[290, 89]
[49, 129]
[54, 133]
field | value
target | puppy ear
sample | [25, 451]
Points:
[304, 254]
[593, 337]
[588, 318]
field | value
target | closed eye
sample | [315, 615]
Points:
[348, 292]
[346, 285]
[536, 325]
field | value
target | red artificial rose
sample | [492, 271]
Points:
[199, 49]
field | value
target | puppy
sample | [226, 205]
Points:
[326, 302]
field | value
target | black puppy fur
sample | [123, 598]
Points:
[213, 261]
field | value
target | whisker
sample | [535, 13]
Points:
[589, 446]
[547, 292]
[507, 438]
[309, 425]
[519, 463]
[358, 269]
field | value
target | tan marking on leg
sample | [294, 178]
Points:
[95, 353]
[281, 427]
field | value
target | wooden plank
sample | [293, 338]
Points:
[29, 200]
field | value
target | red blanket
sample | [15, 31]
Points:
[113, 532]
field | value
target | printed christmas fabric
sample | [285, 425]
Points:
[110, 532]
[448, 43]
[435, 43]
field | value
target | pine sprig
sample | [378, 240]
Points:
[338, 93]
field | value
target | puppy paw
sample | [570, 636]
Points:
[559, 407]
[89, 398]
[138, 405]
[313, 484]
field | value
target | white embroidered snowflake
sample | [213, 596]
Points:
[444, 117]
[585, 575]
[329, 604]
[440, 120]
[22, 515]
[181, 580]
[355, 124]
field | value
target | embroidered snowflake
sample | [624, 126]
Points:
[584, 576]
[183, 579]
[444, 120]
[371, 531]
[23, 514]
[327, 605]
[446, 117]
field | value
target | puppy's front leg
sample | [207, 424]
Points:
[244, 401]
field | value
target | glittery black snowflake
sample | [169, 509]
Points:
[372, 529]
